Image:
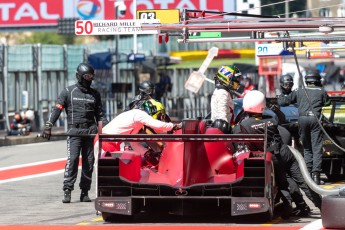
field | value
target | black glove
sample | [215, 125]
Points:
[47, 132]
[177, 126]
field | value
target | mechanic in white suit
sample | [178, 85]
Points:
[150, 114]
[222, 105]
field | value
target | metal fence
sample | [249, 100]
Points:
[31, 77]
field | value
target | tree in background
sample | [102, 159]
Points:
[46, 38]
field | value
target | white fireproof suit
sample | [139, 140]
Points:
[222, 106]
[130, 122]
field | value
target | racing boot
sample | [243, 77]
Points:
[316, 177]
[84, 196]
[66, 196]
[287, 210]
[301, 210]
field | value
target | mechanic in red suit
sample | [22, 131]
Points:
[21, 123]
[248, 86]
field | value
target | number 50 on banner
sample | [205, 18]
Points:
[112, 27]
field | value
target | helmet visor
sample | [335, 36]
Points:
[287, 85]
[88, 77]
[234, 85]
[160, 115]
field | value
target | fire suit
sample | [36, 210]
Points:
[246, 90]
[310, 132]
[256, 125]
[222, 105]
[20, 125]
[83, 107]
[129, 122]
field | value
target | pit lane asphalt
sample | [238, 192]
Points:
[37, 200]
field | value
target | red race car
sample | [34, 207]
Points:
[199, 171]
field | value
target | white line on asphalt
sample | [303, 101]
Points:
[32, 164]
[34, 176]
[313, 225]
[31, 176]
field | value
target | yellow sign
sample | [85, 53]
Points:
[165, 16]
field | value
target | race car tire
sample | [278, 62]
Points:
[332, 212]
[270, 212]
[111, 217]
[269, 215]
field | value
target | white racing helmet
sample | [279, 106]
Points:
[30, 115]
[254, 102]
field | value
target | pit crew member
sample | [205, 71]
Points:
[310, 101]
[83, 107]
[146, 92]
[222, 104]
[21, 123]
[254, 103]
[248, 86]
[150, 114]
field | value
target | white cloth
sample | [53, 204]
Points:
[222, 105]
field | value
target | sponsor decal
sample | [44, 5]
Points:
[89, 9]
[34, 13]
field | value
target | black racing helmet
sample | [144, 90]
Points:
[313, 77]
[85, 74]
[147, 88]
[286, 82]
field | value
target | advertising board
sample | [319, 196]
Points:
[26, 13]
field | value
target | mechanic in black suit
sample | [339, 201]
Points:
[146, 92]
[294, 176]
[288, 171]
[83, 107]
[254, 122]
[309, 100]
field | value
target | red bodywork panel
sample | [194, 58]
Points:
[184, 164]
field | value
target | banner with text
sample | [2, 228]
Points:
[26, 13]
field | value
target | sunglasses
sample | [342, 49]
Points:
[88, 77]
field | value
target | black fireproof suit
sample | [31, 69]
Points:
[83, 107]
[286, 163]
[310, 131]
[256, 125]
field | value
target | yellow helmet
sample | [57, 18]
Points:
[154, 109]
[229, 76]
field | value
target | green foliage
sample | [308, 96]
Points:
[47, 38]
